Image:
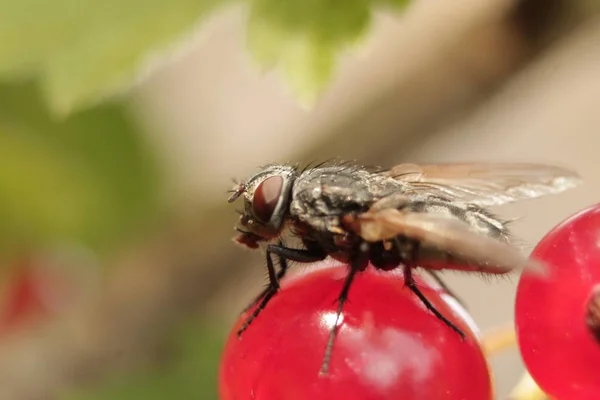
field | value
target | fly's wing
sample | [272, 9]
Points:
[446, 242]
[485, 184]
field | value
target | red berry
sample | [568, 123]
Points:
[21, 300]
[40, 286]
[388, 346]
[555, 314]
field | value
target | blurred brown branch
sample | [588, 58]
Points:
[177, 270]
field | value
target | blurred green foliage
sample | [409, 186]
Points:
[85, 50]
[88, 179]
[303, 38]
[192, 374]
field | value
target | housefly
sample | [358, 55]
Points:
[431, 216]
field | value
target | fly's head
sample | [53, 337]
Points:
[266, 203]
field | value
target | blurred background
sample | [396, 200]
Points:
[122, 124]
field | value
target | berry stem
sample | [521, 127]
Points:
[593, 314]
[500, 339]
[527, 389]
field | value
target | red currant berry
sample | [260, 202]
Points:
[558, 316]
[388, 345]
[21, 300]
[40, 286]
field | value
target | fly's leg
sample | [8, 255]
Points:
[284, 253]
[283, 265]
[444, 286]
[396, 201]
[412, 285]
[357, 264]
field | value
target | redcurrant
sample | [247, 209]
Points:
[558, 315]
[388, 346]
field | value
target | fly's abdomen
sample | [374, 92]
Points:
[478, 218]
[461, 258]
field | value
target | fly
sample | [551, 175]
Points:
[431, 216]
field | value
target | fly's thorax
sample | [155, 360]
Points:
[331, 192]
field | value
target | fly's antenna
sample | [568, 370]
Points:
[236, 192]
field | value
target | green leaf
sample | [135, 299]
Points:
[303, 38]
[192, 375]
[86, 50]
[91, 178]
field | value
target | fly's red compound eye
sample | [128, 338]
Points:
[266, 197]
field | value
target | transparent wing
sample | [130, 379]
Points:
[447, 242]
[485, 184]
